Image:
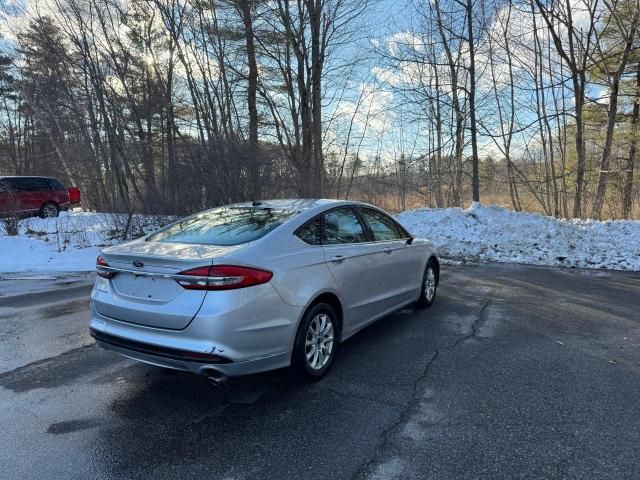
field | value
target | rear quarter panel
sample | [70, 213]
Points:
[424, 251]
[300, 272]
[61, 197]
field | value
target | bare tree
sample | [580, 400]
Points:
[627, 198]
[613, 61]
[576, 53]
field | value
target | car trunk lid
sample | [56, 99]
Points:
[143, 288]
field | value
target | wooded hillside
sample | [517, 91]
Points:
[171, 106]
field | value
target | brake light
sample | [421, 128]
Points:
[102, 268]
[222, 277]
[74, 194]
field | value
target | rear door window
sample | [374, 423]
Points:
[342, 226]
[382, 226]
[224, 226]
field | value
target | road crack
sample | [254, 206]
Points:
[385, 444]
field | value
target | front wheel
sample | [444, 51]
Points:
[429, 285]
[316, 342]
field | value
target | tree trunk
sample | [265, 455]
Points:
[317, 62]
[455, 105]
[253, 163]
[627, 197]
[475, 180]
[438, 155]
[603, 177]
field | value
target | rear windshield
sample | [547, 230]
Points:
[224, 226]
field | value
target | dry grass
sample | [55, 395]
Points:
[9, 225]
[495, 196]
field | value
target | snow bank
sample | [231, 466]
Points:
[69, 243]
[25, 254]
[495, 234]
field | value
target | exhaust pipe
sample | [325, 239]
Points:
[216, 377]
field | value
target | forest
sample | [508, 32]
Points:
[172, 106]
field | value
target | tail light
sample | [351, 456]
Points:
[102, 268]
[74, 194]
[222, 277]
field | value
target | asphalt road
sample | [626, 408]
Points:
[515, 372]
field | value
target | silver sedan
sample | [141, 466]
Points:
[257, 286]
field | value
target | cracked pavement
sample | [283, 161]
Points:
[515, 372]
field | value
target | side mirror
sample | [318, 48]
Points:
[409, 240]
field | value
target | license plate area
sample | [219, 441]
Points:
[145, 287]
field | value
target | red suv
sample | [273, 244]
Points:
[30, 196]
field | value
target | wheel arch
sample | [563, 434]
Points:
[434, 259]
[330, 298]
[333, 300]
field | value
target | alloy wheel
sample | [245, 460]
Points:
[319, 341]
[49, 211]
[430, 284]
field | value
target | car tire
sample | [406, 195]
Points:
[316, 342]
[49, 210]
[429, 285]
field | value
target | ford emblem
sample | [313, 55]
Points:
[138, 264]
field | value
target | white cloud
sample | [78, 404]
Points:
[371, 112]
[399, 41]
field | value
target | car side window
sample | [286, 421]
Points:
[12, 184]
[382, 227]
[21, 184]
[41, 184]
[342, 226]
[310, 232]
[55, 184]
[32, 184]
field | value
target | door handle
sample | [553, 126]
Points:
[387, 250]
[337, 259]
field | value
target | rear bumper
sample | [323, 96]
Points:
[200, 367]
[252, 337]
[156, 350]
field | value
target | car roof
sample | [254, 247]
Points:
[299, 204]
[2, 177]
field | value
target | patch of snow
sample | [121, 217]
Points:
[70, 242]
[494, 234]
[26, 254]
